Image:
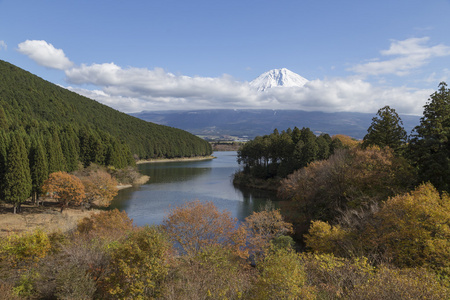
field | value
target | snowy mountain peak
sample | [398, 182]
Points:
[278, 78]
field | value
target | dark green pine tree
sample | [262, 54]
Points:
[4, 146]
[386, 130]
[38, 167]
[429, 145]
[310, 149]
[3, 120]
[115, 156]
[70, 145]
[323, 143]
[17, 184]
[55, 157]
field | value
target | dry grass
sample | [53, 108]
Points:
[47, 217]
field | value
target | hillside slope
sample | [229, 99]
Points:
[26, 98]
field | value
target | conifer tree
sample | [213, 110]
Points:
[3, 119]
[69, 145]
[17, 184]
[56, 161]
[4, 145]
[386, 130]
[38, 167]
[429, 145]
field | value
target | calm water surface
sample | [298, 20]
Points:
[173, 183]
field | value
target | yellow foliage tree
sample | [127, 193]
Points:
[282, 276]
[139, 265]
[409, 230]
[414, 229]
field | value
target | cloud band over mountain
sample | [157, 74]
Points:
[135, 89]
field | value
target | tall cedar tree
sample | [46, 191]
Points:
[56, 161]
[429, 144]
[17, 183]
[386, 130]
[38, 167]
[4, 145]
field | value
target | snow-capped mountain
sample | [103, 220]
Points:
[278, 78]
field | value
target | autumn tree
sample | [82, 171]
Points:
[393, 283]
[214, 273]
[100, 188]
[264, 226]
[348, 179]
[386, 130]
[66, 188]
[109, 225]
[196, 225]
[282, 276]
[139, 265]
[409, 230]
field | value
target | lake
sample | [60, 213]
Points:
[173, 183]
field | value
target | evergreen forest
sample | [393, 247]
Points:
[45, 129]
[31, 103]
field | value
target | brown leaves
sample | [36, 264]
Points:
[197, 225]
[100, 188]
[68, 189]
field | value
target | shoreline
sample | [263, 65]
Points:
[163, 160]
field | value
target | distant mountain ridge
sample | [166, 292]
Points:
[253, 122]
[277, 78]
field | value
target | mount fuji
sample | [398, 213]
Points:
[248, 123]
[277, 78]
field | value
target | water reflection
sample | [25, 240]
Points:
[172, 184]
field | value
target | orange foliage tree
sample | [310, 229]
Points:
[100, 188]
[196, 225]
[66, 188]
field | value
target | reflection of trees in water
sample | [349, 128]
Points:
[254, 200]
[161, 175]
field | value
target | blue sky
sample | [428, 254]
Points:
[153, 55]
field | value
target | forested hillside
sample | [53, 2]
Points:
[30, 102]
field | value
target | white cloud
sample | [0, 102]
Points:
[137, 89]
[45, 54]
[409, 54]
[3, 45]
